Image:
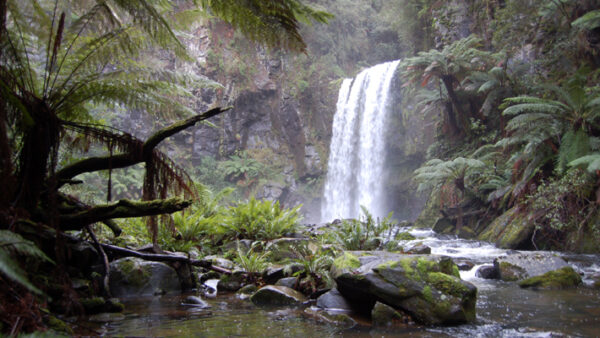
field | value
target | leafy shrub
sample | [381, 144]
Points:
[561, 205]
[251, 261]
[12, 244]
[315, 266]
[257, 220]
[365, 233]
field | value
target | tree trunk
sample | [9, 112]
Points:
[453, 109]
[123, 209]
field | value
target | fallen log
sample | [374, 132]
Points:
[164, 258]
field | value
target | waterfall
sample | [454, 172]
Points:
[357, 150]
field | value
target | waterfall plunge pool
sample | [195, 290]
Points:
[503, 309]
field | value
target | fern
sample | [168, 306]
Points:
[591, 162]
[12, 244]
[589, 21]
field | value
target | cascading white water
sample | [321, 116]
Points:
[357, 150]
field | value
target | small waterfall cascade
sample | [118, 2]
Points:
[357, 150]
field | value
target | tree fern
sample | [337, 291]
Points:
[435, 173]
[562, 122]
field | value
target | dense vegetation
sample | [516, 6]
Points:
[518, 120]
[60, 62]
[515, 99]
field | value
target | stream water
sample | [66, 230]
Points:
[503, 309]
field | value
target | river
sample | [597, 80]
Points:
[503, 308]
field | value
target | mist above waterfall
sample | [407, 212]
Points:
[357, 150]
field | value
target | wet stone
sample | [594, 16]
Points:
[487, 272]
[333, 300]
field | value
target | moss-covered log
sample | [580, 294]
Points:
[123, 209]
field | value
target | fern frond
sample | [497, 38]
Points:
[589, 21]
[591, 161]
[14, 244]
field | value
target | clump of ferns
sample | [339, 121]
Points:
[314, 268]
[252, 261]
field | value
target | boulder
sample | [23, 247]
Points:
[277, 295]
[520, 266]
[512, 230]
[464, 265]
[487, 272]
[562, 278]
[427, 287]
[332, 299]
[290, 282]
[444, 226]
[342, 320]
[246, 291]
[384, 315]
[274, 273]
[132, 276]
[83, 255]
[98, 305]
[232, 282]
[219, 261]
[419, 249]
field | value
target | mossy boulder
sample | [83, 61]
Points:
[512, 230]
[132, 276]
[427, 287]
[277, 295]
[384, 315]
[346, 262]
[98, 305]
[58, 327]
[219, 261]
[562, 278]
[232, 282]
[521, 266]
[342, 320]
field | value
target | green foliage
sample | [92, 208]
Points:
[272, 22]
[315, 267]
[446, 68]
[365, 233]
[592, 162]
[11, 245]
[251, 261]
[561, 204]
[258, 220]
[589, 21]
[567, 120]
[241, 168]
[458, 172]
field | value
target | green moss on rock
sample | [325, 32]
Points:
[558, 279]
[510, 230]
[405, 236]
[58, 325]
[448, 284]
[510, 272]
[346, 261]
